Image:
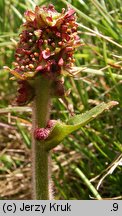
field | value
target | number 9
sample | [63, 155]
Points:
[115, 206]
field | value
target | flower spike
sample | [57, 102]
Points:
[46, 44]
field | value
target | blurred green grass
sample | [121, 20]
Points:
[95, 152]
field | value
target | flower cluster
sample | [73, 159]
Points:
[43, 133]
[47, 43]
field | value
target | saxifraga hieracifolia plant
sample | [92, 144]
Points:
[43, 54]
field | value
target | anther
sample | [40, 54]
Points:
[22, 67]
[32, 55]
[18, 59]
[30, 41]
[21, 36]
[31, 66]
[27, 66]
[33, 59]
[15, 63]
[30, 34]
[73, 60]
[60, 43]
[45, 41]
[63, 10]
[47, 49]
[74, 28]
[36, 54]
[68, 30]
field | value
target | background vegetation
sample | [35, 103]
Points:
[87, 165]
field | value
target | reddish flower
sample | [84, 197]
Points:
[41, 133]
[47, 43]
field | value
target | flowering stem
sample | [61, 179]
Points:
[40, 156]
[44, 51]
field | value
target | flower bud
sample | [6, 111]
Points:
[41, 133]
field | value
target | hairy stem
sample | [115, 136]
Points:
[40, 157]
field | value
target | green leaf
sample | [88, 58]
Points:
[61, 130]
[87, 182]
